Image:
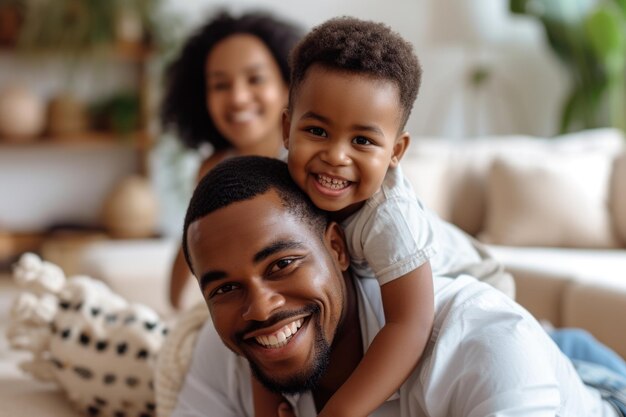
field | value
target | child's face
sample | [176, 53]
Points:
[246, 93]
[342, 136]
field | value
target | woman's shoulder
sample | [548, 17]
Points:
[211, 162]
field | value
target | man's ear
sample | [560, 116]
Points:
[336, 240]
[399, 148]
[286, 127]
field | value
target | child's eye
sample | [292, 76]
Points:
[317, 131]
[361, 140]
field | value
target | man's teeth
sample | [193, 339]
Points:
[333, 183]
[280, 337]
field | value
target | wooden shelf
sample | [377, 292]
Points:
[82, 140]
[131, 52]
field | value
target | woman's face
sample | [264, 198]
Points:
[246, 93]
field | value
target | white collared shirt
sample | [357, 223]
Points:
[394, 233]
[487, 356]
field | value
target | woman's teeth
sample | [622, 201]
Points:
[242, 116]
[332, 183]
[280, 337]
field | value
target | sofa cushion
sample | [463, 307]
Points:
[451, 176]
[618, 196]
[544, 199]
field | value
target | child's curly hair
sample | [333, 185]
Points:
[358, 46]
[184, 106]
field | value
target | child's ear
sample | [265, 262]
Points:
[286, 127]
[401, 145]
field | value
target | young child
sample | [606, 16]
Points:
[353, 84]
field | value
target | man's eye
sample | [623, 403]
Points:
[225, 289]
[281, 264]
[317, 131]
[361, 140]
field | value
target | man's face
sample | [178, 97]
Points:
[274, 287]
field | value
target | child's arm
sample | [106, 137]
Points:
[408, 302]
[266, 403]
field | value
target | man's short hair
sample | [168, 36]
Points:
[362, 47]
[243, 178]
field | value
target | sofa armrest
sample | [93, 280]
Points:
[137, 270]
[541, 293]
[597, 309]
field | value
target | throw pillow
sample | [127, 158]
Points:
[458, 188]
[100, 349]
[549, 199]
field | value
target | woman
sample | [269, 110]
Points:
[227, 89]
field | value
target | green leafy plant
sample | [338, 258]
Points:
[83, 26]
[589, 37]
[119, 113]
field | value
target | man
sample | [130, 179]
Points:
[284, 308]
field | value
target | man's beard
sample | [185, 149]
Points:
[302, 380]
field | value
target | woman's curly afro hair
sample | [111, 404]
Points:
[184, 106]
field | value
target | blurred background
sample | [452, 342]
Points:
[82, 154]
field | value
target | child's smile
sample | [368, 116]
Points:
[342, 136]
[331, 185]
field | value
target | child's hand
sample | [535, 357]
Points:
[285, 410]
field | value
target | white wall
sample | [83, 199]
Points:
[52, 184]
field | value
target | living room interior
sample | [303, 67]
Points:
[517, 138]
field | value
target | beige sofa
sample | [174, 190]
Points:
[553, 210]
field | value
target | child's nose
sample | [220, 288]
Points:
[262, 302]
[336, 154]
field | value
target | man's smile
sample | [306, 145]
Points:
[280, 337]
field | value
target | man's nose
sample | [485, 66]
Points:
[336, 154]
[262, 302]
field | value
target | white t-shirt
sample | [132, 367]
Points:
[394, 233]
[486, 356]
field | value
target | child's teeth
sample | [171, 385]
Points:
[333, 183]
